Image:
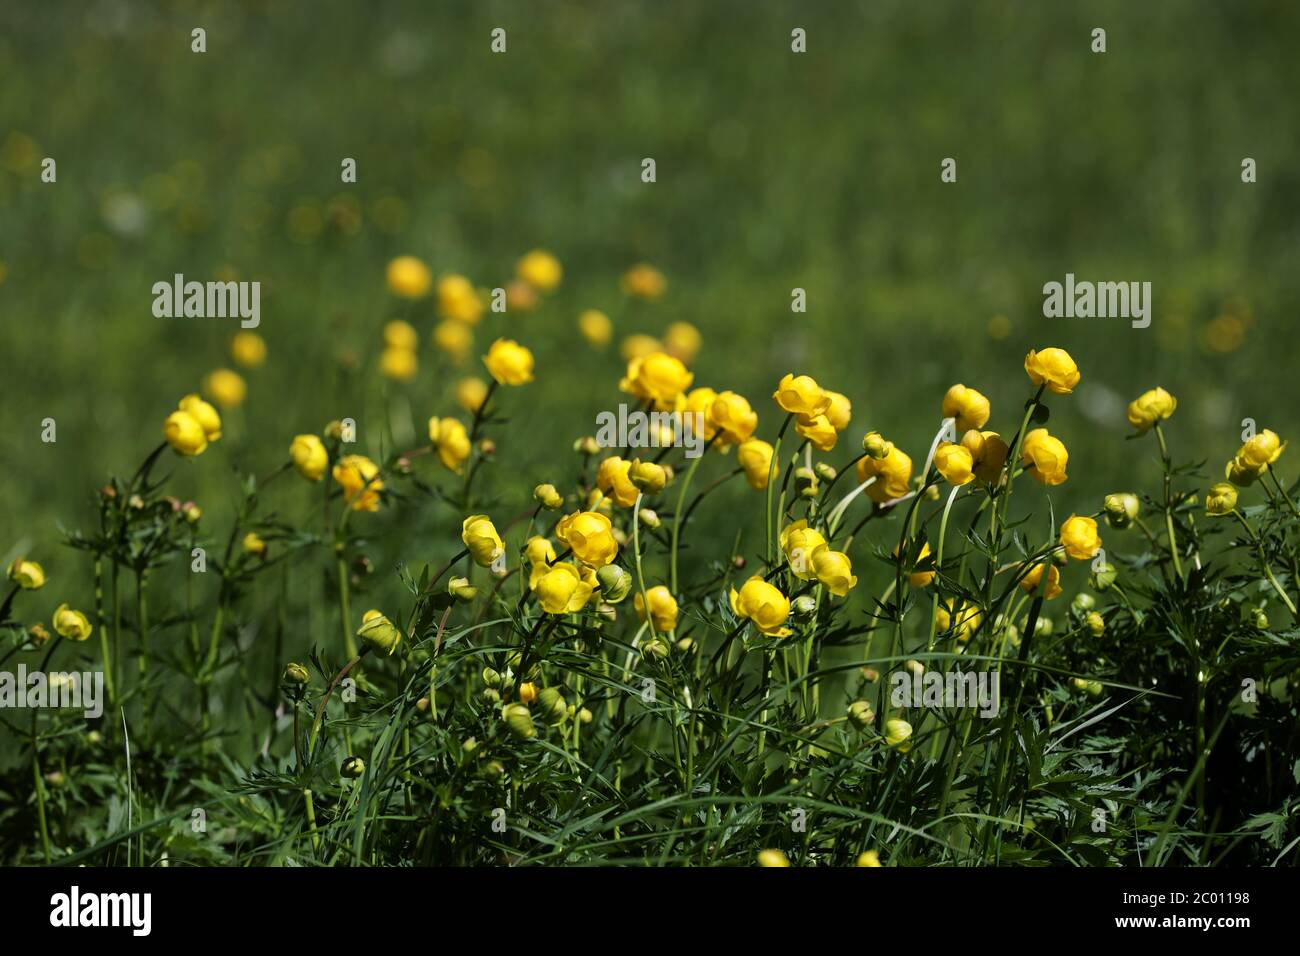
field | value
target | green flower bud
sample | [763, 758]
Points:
[648, 517]
[491, 695]
[615, 583]
[519, 721]
[861, 715]
[352, 767]
[461, 589]
[1096, 623]
[294, 680]
[1121, 509]
[587, 445]
[584, 715]
[874, 444]
[804, 605]
[552, 705]
[1103, 579]
[378, 633]
[824, 471]
[1083, 601]
[656, 647]
[548, 497]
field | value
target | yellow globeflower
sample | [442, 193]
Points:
[1044, 457]
[613, 477]
[509, 362]
[893, 473]
[733, 417]
[562, 589]
[184, 433]
[71, 624]
[1079, 537]
[540, 555]
[520, 296]
[408, 277]
[801, 395]
[835, 570]
[818, 430]
[1150, 407]
[470, 393]
[225, 387]
[698, 402]
[359, 478]
[922, 572]
[955, 463]
[839, 411]
[1053, 368]
[869, 858]
[459, 300]
[762, 604]
[398, 364]
[401, 335]
[540, 269]
[648, 476]
[595, 327]
[643, 281]
[309, 456]
[451, 441]
[1260, 451]
[965, 621]
[1034, 578]
[772, 858]
[988, 454]
[590, 536]
[967, 406]
[204, 414]
[481, 538]
[639, 346]
[658, 377]
[755, 457]
[453, 337]
[800, 545]
[27, 574]
[1221, 499]
[378, 633]
[897, 734]
[876, 445]
[254, 544]
[682, 340]
[663, 608]
[248, 349]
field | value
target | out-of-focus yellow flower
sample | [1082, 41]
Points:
[897, 734]
[1150, 407]
[663, 608]
[682, 340]
[378, 633]
[1044, 457]
[184, 433]
[755, 457]
[471, 393]
[225, 387]
[547, 496]
[643, 281]
[988, 454]
[772, 858]
[922, 572]
[527, 692]
[509, 362]
[658, 377]
[835, 571]
[358, 476]
[869, 858]
[401, 335]
[762, 604]
[639, 346]
[955, 462]
[520, 296]
[839, 411]
[453, 337]
[967, 406]
[254, 544]
[595, 327]
[590, 536]
[648, 476]
[309, 456]
[27, 574]
[408, 277]
[800, 544]
[1221, 499]
[562, 590]
[893, 473]
[1079, 537]
[540, 269]
[801, 395]
[733, 417]
[451, 441]
[613, 477]
[71, 624]
[204, 414]
[1053, 368]
[818, 430]
[481, 538]
[1034, 578]
[398, 364]
[459, 300]
[964, 622]
[248, 349]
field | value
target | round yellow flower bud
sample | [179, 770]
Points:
[27, 574]
[801, 544]
[801, 395]
[1096, 623]
[309, 456]
[1150, 407]
[399, 334]
[682, 340]
[509, 362]
[254, 544]
[733, 418]
[408, 277]
[400, 365]
[184, 434]
[548, 497]
[595, 327]
[658, 377]
[893, 474]
[955, 463]
[454, 338]
[835, 571]
[481, 538]
[1121, 509]
[755, 457]
[358, 476]
[378, 633]
[459, 301]
[1034, 578]
[968, 407]
[875, 445]
[471, 392]
[897, 733]
[590, 535]
[861, 714]
[71, 624]
[643, 281]
[648, 476]
[1079, 537]
[540, 269]
[1044, 457]
[1053, 368]
[869, 858]
[451, 440]
[663, 608]
[204, 414]
[248, 349]
[563, 590]
[762, 604]
[1260, 451]
[527, 692]
[225, 387]
[1221, 499]
[772, 858]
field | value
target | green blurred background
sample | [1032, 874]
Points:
[775, 171]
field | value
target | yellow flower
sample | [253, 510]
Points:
[408, 277]
[520, 296]
[481, 538]
[359, 478]
[595, 327]
[643, 281]
[682, 340]
[755, 457]
[876, 445]
[225, 387]
[1259, 452]
[454, 338]
[733, 417]
[964, 622]
[1079, 537]
[835, 571]
[658, 377]
[27, 574]
[955, 463]
[184, 433]
[248, 349]
[509, 362]
[763, 604]
[818, 430]
[698, 401]
[540, 554]
[1053, 368]
[639, 346]
[1150, 407]
[1221, 499]
[540, 269]
[1031, 581]
[1044, 457]
[254, 544]
[613, 477]
[892, 473]
[451, 440]
[547, 496]
[967, 406]
[590, 535]
[398, 364]
[922, 572]
[663, 608]
[471, 393]
[71, 624]
[897, 734]
[772, 858]
[562, 590]
[839, 411]
[459, 300]
[648, 476]
[379, 634]
[988, 454]
[801, 395]
[309, 456]
[401, 335]
[800, 544]
[204, 414]
[869, 858]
